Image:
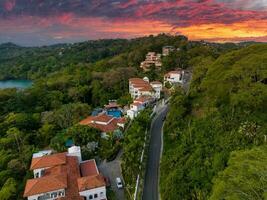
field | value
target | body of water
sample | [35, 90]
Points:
[19, 84]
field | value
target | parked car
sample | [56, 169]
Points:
[119, 183]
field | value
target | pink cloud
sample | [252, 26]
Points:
[9, 5]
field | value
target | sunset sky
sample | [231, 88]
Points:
[41, 22]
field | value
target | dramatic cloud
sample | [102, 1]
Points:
[36, 22]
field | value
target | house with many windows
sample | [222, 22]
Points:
[152, 58]
[174, 77]
[64, 176]
[142, 87]
[143, 93]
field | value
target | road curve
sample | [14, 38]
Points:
[150, 191]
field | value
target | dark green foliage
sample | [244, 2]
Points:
[244, 177]
[133, 147]
[224, 112]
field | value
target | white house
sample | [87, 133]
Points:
[152, 58]
[92, 184]
[64, 176]
[138, 105]
[135, 108]
[174, 77]
[166, 50]
[141, 87]
[157, 86]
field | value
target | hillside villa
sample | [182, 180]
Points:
[138, 105]
[144, 93]
[166, 50]
[64, 176]
[152, 58]
[105, 123]
[141, 87]
[174, 77]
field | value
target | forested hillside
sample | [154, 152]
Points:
[215, 137]
[72, 79]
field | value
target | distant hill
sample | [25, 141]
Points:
[35, 62]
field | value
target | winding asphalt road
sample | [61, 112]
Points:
[154, 153]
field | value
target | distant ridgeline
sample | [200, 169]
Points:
[215, 138]
[18, 62]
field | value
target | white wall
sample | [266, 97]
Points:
[174, 78]
[131, 114]
[35, 197]
[101, 193]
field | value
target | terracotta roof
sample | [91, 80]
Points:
[73, 171]
[174, 72]
[136, 80]
[109, 127]
[87, 120]
[155, 82]
[105, 128]
[112, 105]
[142, 99]
[64, 176]
[121, 120]
[45, 184]
[146, 88]
[91, 182]
[48, 161]
[89, 168]
[92, 119]
[102, 118]
[136, 104]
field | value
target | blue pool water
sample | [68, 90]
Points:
[114, 113]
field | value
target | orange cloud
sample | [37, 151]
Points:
[248, 29]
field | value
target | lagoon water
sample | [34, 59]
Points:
[19, 84]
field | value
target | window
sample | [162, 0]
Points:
[95, 195]
[91, 197]
[61, 193]
[54, 195]
[101, 194]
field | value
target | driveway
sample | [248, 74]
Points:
[112, 170]
[152, 169]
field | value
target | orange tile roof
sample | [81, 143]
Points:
[109, 127]
[73, 171]
[102, 118]
[64, 176]
[112, 105]
[142, 99]
[146, 88]
[136, 104]
[104, 128]
[155, 82]
[91, 182]
[48, 161]
[45, 184]
[135, 80]
[89, 168]
[179, 71]
[87, 120]
[121, 120]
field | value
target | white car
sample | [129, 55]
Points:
[119, 183]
